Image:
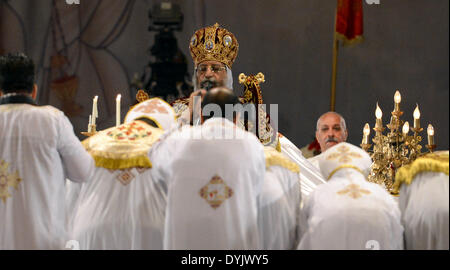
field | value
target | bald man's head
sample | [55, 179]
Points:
[218, 98]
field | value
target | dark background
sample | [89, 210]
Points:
[405, 47]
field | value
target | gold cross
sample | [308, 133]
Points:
[142, 96]
[344, 155]
[7, 180]
[353, 191]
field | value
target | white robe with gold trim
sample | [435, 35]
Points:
[120, 210]
[213, 186]
[38, 151]
[280, 218]
[350, 213]
[122, 207]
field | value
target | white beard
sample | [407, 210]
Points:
[228, 81]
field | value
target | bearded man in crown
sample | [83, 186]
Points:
[214, 50]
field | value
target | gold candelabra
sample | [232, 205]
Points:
[395, 148]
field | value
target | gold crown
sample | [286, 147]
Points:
[214, 43]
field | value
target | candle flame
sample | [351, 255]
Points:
[416, 113]
[430, 130]
[397, 97]
[405, 128]
[378, 112]
[119, 96]
[366, 129]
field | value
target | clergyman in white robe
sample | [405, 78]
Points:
[38, 151]
[123, 207]
[348, 212]
[280, 218]
[214, 175]
[424, 202]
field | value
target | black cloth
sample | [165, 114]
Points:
[17, 99]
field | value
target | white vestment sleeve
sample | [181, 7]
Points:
[425, 211]
[279, 216]
[78, 164]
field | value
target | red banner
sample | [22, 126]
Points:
[349, 21]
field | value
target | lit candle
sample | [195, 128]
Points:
[366, 132]
[416, 115]
[90, 123]
[405, 129]
[397, 100]
[118, 109]
[378, 115]
[430, 131]
[94, 110]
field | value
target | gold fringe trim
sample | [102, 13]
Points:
[349, 42]
[121, 164]
[428, 163]
[345, 166]
[275, 158]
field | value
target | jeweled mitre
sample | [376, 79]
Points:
[214, 43]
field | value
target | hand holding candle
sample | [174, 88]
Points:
[119, 96]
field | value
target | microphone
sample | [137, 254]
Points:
[208, 85]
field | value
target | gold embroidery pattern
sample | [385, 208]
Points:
[125, 177]
[275, 158]
[7, 180]
[353, 191]
[343, 155]
[216, 192]
[123, 147]
[129, 132]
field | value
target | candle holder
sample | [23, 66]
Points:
[416, 130]
[90, 133]
[366, 146]
[378, 130]
[397, 114]
[394, 149]
[431, 147]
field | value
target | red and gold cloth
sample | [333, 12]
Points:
[349, 21]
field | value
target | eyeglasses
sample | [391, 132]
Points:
[202, 69]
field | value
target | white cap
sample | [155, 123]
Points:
[344, 155]
[156, 110]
